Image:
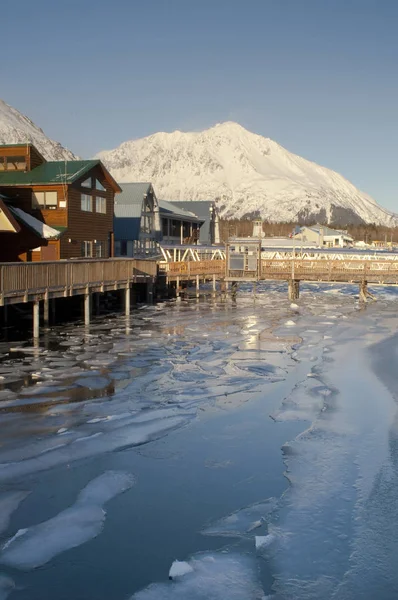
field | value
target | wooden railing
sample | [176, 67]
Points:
[376, 271]
[17, 278]
[192, 268]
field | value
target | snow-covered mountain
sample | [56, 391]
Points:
[15, 128]
[248, 174]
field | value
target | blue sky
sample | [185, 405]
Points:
[318, 76]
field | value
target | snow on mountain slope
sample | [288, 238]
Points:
[15, 128]
[248, 175]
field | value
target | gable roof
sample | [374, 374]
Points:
[55, 172]
[133, 193]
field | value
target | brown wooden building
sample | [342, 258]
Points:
[74, 197]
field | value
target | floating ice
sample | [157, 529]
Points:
[294, 306]
[179, 568]
[213, 577]
[263, 541]
[290, 323]
[103, 488]
[36, 545]
[9, 502]
[242, 521]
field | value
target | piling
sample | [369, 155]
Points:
[294, 290]
[87, 308]
[36, 319]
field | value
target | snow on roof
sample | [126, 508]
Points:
[43, 230]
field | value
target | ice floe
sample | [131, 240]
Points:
[9, 502]
[36, 545]
[243, 521]
[218, 576]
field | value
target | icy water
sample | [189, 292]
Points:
[255, 441]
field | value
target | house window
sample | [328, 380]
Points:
[86, 203]
[86, 183]
[175, 228]
[44, 200]
[123, 248]
[165, 227]
[99, 186]
[99, 249]
[100, 205]
[87, 249]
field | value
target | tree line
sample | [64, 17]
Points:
[365, 232]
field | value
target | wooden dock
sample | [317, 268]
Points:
[40, 282]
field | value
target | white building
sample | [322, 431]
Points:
[324, 237]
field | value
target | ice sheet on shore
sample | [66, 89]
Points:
[243, 521]
[36, 545]
[218, 576]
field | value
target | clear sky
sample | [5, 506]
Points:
[318, 76]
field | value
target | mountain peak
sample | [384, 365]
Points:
[247, 174]
[16, 128]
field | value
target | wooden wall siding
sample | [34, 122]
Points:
[14, 151]
[22, 198]
[87, 226]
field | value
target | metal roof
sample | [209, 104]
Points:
[53, 172]
[133, 193]
[169, 209]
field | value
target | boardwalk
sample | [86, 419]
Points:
[383, 272]
[26, 282]
[43, 282]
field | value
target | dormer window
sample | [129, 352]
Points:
[12, 163]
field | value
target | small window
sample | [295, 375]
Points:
[87, 183]
[99, 249]
[86, 203]
[123, 248]
[47, 200]
[165, 227]
[87, 249]
[99, 186]
[100, 205]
